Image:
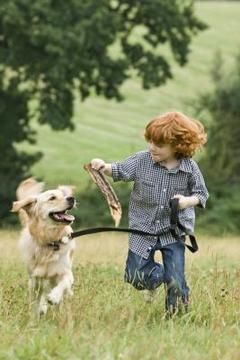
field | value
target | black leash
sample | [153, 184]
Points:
[174, 224]
[103, 229]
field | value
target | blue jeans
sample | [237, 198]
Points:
[148, 274]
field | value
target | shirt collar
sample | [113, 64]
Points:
[185, 166]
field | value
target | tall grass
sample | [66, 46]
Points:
[108, 319]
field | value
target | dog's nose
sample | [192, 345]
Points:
[70, 200]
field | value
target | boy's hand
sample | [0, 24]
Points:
[186, 201]
[98, 164]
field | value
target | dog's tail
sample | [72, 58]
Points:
[27, 188]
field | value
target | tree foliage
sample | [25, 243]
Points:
[221, 163]
[222, 159]
[49, 49]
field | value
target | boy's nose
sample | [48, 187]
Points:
[152, 147]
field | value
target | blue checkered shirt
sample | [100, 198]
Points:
[154, 186]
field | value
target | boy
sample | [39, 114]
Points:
[164, 171]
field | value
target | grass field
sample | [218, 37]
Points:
[107, 319]
[114, 130]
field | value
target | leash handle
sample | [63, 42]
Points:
[175, 223]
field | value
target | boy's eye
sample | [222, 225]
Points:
[52, 198]
[160, 144]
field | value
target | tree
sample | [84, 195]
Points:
[49, 49]
[221, 162]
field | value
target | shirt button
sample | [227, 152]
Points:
[164, 190]
[161, 206]
[155, 237]
[158, 221]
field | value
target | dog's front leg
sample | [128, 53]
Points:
[43, 302]
[64, 285]
[37, 294]
[34, 289]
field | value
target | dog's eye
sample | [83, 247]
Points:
[52, 198]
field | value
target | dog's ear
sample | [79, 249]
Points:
[23, 204]
[29, 187]
[66, 189]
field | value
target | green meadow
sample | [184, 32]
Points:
[107, 319]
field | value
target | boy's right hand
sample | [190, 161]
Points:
[98, 164]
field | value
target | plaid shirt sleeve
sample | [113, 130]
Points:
[197, 185]
[126, 169]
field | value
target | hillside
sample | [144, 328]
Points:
[113, 130]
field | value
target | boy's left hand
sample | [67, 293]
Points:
[186, 201]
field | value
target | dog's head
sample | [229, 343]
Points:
[50, 207]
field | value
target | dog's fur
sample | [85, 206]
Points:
[46, 227]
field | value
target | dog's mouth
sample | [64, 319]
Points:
[62, 216]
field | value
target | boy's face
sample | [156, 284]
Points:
[161, 152]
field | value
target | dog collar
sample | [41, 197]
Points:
[56, 244]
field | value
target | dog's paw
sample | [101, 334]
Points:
[54, 297]
[42, 306]
[69, 292]
[42, 310]
[65, 239]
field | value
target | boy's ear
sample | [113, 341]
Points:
[23, 204]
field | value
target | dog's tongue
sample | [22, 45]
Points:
[63, 216]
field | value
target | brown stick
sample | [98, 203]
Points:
[108, 192]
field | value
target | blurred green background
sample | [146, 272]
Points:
[113, 130]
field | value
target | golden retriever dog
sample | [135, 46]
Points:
[45, 242]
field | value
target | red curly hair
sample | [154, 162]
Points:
[184, 134]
